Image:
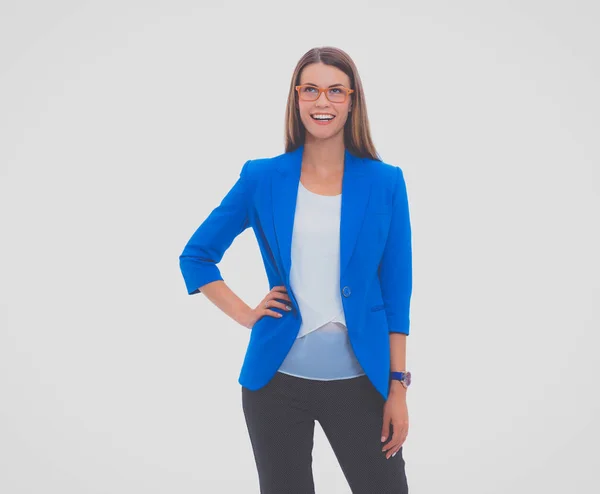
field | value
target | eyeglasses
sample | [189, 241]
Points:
[337, 94]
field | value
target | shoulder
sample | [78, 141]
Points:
[384, 173]
[256, 167]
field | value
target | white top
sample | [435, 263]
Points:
[315, 268]
[322, 349]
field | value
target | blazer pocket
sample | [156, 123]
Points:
[377, 307]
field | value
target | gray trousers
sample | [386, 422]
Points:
[280, 418]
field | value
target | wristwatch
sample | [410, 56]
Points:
[403, 377]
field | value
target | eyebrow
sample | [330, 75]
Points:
[333, 85]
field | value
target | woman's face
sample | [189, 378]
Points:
[324, 76]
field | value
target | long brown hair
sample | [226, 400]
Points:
[357, 134]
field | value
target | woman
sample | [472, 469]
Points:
[328, 341]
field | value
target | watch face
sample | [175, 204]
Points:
[407, 378]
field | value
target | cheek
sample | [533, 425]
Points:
[343, 114]
[304, 115]
[342, 119]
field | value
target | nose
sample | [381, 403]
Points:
[322, 100]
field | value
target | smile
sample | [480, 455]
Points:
[323, 116]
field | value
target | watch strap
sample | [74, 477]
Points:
[404, 377]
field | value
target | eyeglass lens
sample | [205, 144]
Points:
[334, 94]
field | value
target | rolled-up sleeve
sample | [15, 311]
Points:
[205, 249]
[395, 268]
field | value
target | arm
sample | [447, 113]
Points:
[225, 299]
[397, 361]
[395, 273]
[395, 268]
[205, 249]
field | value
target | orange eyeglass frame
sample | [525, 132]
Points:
[324, 89]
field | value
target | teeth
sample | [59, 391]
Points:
[323, 117]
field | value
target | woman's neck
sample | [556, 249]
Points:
[324, 156]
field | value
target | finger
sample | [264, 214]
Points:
[278, 295]
[398, 435]
[385, 429]
[404, 436]
[270, 303]
[394, 435]
[393, 442]
[269, 312]
[399, 444]
[393, 453]
[281, 296]
[281, 305]
[391, 447]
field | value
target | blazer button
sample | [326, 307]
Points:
[346, 291]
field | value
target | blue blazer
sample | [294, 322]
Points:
[375, 257]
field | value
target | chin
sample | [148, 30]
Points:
[322, 133]
[323, 136]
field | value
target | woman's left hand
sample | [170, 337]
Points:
[395, 412]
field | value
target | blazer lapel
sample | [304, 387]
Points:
[356, 188]
[284, 189]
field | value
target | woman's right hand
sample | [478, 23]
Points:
[270, 300]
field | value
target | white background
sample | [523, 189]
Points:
[123, 124]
